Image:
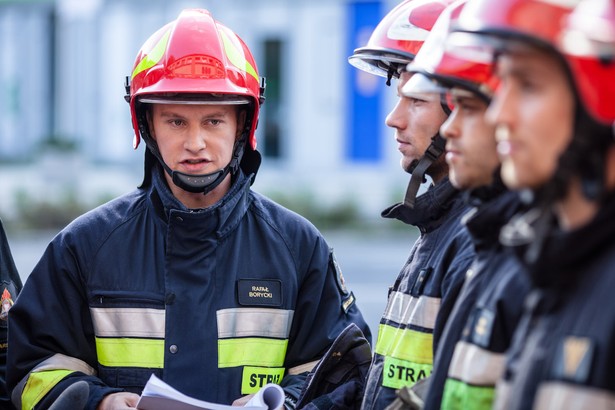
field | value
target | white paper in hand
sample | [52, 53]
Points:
[270, 396]
[158, 395]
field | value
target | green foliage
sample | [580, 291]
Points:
[35, 213]
[344, 214]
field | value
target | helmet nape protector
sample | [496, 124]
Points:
[196, 60]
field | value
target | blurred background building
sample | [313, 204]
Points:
[65, 128]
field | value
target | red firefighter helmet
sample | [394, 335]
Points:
[448, 69]
[589, 45]
[486, 28]
[398, 37]
[195, 60]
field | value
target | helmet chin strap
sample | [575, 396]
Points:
[431, 155]
[433, 152]
[205, 183]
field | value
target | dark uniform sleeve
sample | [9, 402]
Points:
[325, 307]
[51, 342]
[10, 288]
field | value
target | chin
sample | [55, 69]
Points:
[408, 164]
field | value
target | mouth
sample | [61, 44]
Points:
[504, 148]
[452, 155]
[194, 165]
[402, 146]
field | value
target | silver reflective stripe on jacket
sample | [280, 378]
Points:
[408, 310]
[474, 365]
[255, 322]
[128, 322]
[562, 396]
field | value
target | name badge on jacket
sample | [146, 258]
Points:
[258, 292]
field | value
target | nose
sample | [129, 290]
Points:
[195, 139]
[398, 117]
[450, 128]
[501, 109]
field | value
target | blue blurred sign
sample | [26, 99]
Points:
[364, 91]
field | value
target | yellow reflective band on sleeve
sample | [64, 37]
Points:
[251, 351]
[154, 56]
[128, 352]
[399, 373]
[405, 344]
[236, 56]
[459, 395]
[39, 384]
[256, 377]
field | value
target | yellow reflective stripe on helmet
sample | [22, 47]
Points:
[254, 322]
[460, 395]
[236, 56]
[130, 352]
[405, 344]
[253, 378]
[407, 310]
[154, 56]
[251, 351]
[475, 365]
[39, 384]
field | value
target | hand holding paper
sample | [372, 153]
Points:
[157, 395]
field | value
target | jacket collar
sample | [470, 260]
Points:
[220, 217]
[430, 209]
[566, 255]
[493, 208]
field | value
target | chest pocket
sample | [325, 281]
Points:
[129, 331]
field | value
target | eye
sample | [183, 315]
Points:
[214, 121]
[416, 101]
[468, 106]
[175, 122]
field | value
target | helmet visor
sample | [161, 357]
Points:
[379, 62]
[195, 99]
[423, 87]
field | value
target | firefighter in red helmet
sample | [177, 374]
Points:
[193, 277]
[555, 139]
[425, 290]
[471, 351]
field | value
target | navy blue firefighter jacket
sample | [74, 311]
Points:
[216, 301]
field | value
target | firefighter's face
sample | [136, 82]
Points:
[470, 142]
[533, 110]
[416, 121]
[194, 139]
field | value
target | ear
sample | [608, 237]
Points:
[150, 121]
[241, 121]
